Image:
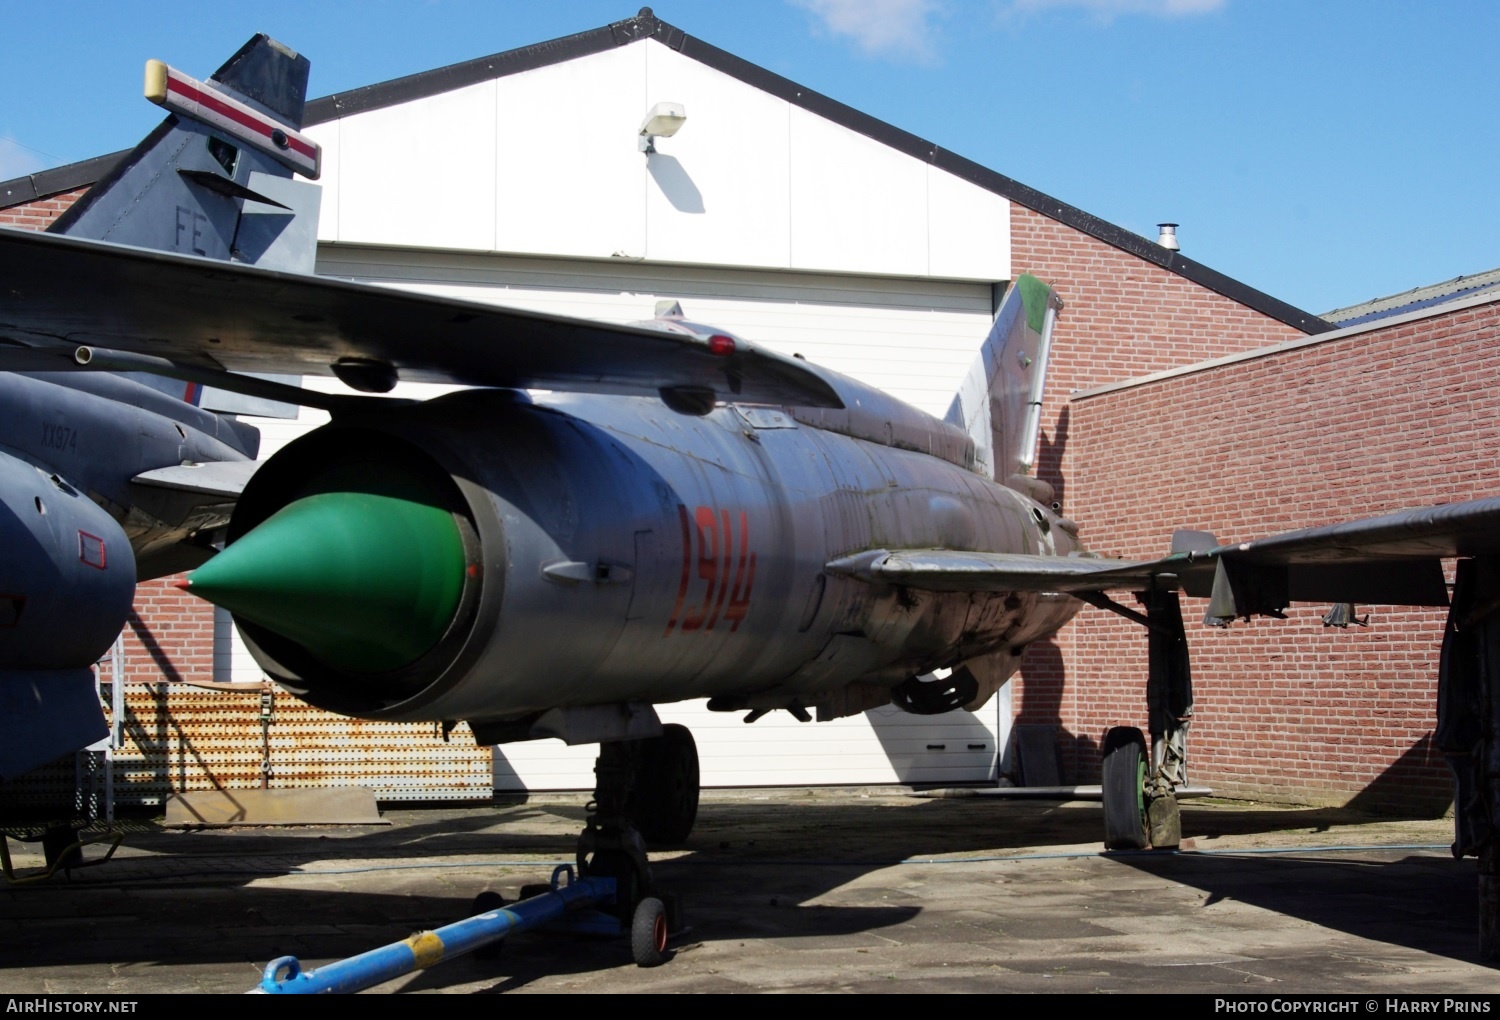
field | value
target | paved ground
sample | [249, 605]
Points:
[796, 890]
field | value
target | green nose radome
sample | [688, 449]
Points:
[365, 583]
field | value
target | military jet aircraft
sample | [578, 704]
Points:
[620, 516]
[106, 479]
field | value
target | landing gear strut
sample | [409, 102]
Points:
[1140, 795]
[644, 791]
[1169, 697]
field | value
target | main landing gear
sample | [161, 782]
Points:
[1140, 801]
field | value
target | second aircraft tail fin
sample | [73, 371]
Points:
[215, 178]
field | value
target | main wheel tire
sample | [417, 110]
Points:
[487, 901]
[664, 803]
[1124, 784]
[648, 933]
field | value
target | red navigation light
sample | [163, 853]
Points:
[721, 345]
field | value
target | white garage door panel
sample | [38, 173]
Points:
[912, 337]
[881, 746]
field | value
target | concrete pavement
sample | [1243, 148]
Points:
[791, 890]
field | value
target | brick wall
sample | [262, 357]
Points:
[36, 215]
[1123, 317]
[170, 634]
[1382, 420]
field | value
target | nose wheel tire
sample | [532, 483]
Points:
[1124, 783]
[648, 933]
[664, 801]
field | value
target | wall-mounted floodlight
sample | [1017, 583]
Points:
[663, 121]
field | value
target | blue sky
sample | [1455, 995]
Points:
[1324, 151]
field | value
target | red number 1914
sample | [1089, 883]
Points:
[729, 577]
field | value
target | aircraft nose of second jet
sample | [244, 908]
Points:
[365, 583]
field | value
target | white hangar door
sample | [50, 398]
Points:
[912, 337]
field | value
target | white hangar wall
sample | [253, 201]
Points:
[545, 162]
[761, 218]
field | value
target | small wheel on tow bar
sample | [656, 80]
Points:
[648, 933]
[1124, 785]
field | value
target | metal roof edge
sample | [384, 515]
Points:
[372, 97]
[31, 187]
[993, 181]
[1288, 345]
[646, 25]
[1128, 241]
[471, 72]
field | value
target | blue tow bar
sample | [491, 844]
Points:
[285, 976]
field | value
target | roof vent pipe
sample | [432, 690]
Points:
[1168, 237]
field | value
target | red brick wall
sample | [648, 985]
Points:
[1378, 421]
[1123, 317]
[170, 635]
[36, 215]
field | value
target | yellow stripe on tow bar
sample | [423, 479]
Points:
[426, 947]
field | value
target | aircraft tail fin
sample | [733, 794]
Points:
[215, 178]
[1000, 401]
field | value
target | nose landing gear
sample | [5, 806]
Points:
[645, 792]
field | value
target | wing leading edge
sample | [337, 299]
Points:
[1392, 559]
[61, 293]
[951, 570]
